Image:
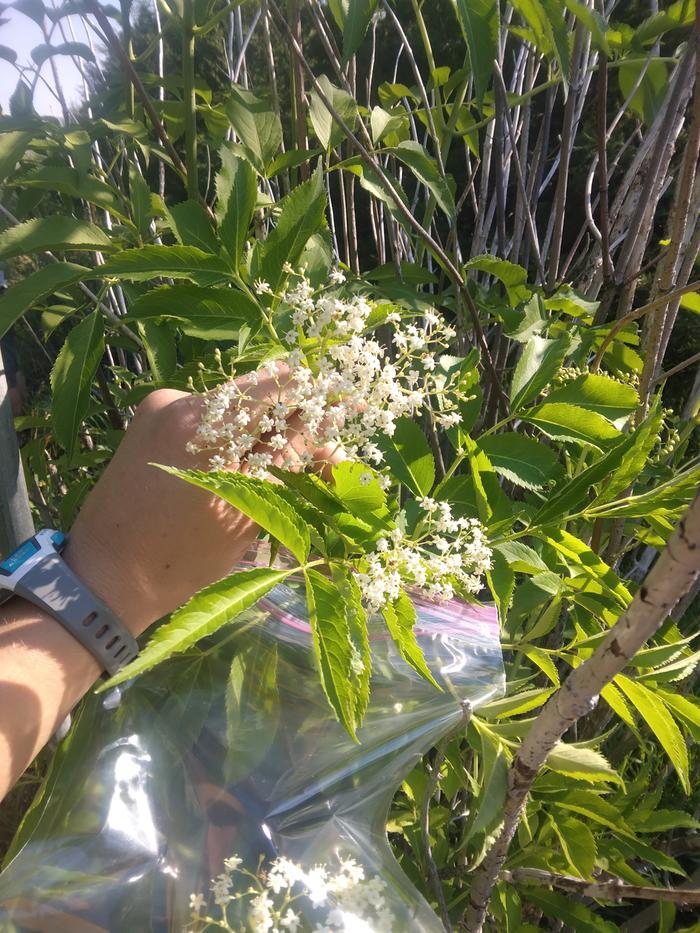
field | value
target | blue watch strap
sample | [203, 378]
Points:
[52, 585]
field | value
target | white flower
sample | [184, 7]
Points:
[290, 921]
[336, 277]
[261, 287]
[232, 863]
[197, 901]
[365, 479]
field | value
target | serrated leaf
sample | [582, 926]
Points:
[175, 262]
[328, 132]
[521, 459]
[480, 22]
[514, 277]
[202, 615]
[71, 379]
[258, 499]
[301, 216]
[236, 197]
[488, 807]
[191, 225]
[608, 397]
[501, 581]
[567, 910]
[355, 19]
[332, 646]
[578, 845]
[28, 292]
[256, 124]
[539, 362]
[50, 233]
[584, 764]
[660, 721]
[565, 422]
[425, 169]
[521, 557]
[409, 456]
[400, 618]
[595, 808]
[207, 313]
[66, 180]
[661, 821]
[357, 488]
[12, 148]
[542, 660]
[517, 704]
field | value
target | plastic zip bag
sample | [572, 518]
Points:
[231, 749]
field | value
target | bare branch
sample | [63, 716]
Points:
[613, 890]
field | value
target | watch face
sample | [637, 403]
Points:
[15, 560]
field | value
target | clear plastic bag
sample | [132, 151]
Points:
[231, 748]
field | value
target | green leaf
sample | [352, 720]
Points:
[236, 197]
[301, 216]
[409, 456]
[501, 581]
[514, 277]
[202, 615]
[426, 171]
[140, 201]
[685, 709]
[75, 49]
[521, 459]
[49, 233]
[608, 397]
[657, 717]
[256, 124]
[355, 18]
[327, 130]
[332, 646]
[207, 313]
[258, 499]
[176, 262]
[569, 498]
[492, 505]
[28, 292]
[584, 764]
[539, 362]
[634, 459]
[69, 181]
[161, 349]
[578, 845]
[595, 808]
[400, 618]
[12, 148]
[542, 660]
[521, 557]
[678, 15]
[661, 821]
[71, 379]
[192, 227]
[546, 20]
[488, 807]
[594, 23]
[569, 911]
[357, 627]
[480, 22]
[517, 704]
[651, 93]
[564, 422]
[357, 488]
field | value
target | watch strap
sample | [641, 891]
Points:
[53, 586]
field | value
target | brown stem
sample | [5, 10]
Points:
[613, 890]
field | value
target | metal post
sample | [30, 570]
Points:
[15, 515]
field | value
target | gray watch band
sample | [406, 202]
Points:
[53, 586]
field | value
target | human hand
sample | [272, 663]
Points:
[145, 541]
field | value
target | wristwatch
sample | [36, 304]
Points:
[37, 572]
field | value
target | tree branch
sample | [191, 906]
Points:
[671, 577]
[613, 890]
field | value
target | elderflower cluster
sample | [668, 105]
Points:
[430, 561]
[343, 385]
[281, 899]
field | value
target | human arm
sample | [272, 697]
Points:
[144, 541]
